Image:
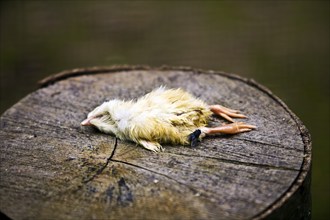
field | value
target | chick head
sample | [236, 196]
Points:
[101, 117]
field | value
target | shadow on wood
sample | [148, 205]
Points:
[51, 167]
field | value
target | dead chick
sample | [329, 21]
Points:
[163, 116]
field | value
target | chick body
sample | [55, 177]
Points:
[161, 116]
[167, 116]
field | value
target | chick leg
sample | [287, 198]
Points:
[226, 113]
[152, 146]
[233, 128]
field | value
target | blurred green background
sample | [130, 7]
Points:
[283, 45]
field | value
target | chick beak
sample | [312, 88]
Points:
[87, 122]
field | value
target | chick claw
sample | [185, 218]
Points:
[226, 113]
[152, 146]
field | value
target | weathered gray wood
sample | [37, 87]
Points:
[51, 167]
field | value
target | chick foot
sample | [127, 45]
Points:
[226, 113]
[152, 146]
[233, 128]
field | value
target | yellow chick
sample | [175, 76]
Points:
[162, 116]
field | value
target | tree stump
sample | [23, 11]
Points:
[52, 168]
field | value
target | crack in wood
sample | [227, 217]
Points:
[270, 144]
[56, 126]
[99, 171]
[265, 166]
[158, 173]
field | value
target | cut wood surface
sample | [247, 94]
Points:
[52, 168]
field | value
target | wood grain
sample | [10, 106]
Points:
[51, 167]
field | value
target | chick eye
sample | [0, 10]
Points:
[99, 116]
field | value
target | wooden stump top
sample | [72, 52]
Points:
[52, 168]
